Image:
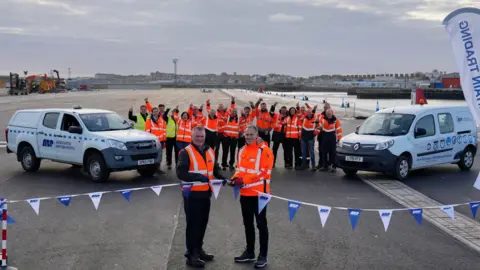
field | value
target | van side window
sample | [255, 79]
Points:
[50, 120]
[425, 127]
[68, 121]
[445, 123]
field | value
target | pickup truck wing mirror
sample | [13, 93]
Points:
[75, 130]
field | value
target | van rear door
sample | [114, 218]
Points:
[46, 135]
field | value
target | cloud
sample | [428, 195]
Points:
[282, 17]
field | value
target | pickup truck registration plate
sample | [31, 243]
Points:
[146, 161]
[353, 159]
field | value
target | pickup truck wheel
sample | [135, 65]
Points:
[148, 171]
[466, 161]
[97, 169]
[29, 160]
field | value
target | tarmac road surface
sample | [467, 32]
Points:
[148, 232]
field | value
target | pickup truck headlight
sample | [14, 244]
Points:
[384, 145]
[117, 144]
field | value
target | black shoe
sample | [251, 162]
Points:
[169, 167]
[245, 257]
[313, 169]
[195, 262]
[204, 256]
[298, 168]
[323, 169]
[261, 262]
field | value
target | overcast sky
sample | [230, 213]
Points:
[296, 37]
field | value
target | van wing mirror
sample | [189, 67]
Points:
[356, 129]
[420, 132]
[75, 130]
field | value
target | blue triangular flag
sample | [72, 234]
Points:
[186, 189]
[10, 220]
[126, 194]
[293, 208]
[354, 215]
[474, 207]
[417, 214]
[263, 199]
[65, 200]
[236, 191]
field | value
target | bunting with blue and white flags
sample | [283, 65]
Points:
[448, 209]
[186, 187]
[65, 200]
[293, 208]
[95, 197]
[126, 194]
[463, 28]
[474, 206]
[385, 216]
[236, 191]
[323, 212]
[216, 185]
[354, 215]
[35, 204]
[157, 189]
[477, 182]
[263, 199]
[417, 214]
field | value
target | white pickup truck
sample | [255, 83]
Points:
[100, 141]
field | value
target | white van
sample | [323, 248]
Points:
[100, 141]
[396, 140]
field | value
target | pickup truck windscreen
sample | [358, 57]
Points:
[104, 122]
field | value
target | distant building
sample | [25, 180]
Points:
[451, 80]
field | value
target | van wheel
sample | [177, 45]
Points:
[350, 172]
[148, 171]
[466, 161]
[402, 168]
[29, 160]
[97, 169]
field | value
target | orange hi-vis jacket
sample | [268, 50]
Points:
[293, 127]
[232, 127]
[184, 133]
[277, 122]
[210, 124]
[254, 166]
[333, 127]
[163, 128]
[309, 124]
[197, 120]
[246, 120]
[264, 119]
[158, 129]
[222, 117]
[320, 117]
[201, 166]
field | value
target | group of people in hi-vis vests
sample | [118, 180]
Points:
[295, 129]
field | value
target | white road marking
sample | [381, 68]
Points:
[462, 228]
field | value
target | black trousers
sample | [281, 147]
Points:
[197, 211]
[210, 138]
[229, 145]
[265, 137]
[292, 149]
[278, 138]
[241, 142]
[329, 150]
[171, 146]
[249, 206]
[219, 141]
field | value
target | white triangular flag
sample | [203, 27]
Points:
[157, 189]
[449, 210]
[263, 199]
[324, 212]
[477, 182]
[386, 216]
[35, 204]
[96, 197]
[216, 185]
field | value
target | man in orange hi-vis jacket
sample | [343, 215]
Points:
[332, 133]
[253, 173]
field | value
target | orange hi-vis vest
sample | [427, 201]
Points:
[292, 128]
[232, 127]
[255, 162]
[333, 127]
[184, 133]
[246, 120]
[210, 124]
[263, 119]
[308, 124]
[157, 129]
[202, 166]
[277, 122]
[221, 117]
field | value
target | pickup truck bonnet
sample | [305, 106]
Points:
[129, 135]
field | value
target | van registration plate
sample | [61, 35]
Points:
[353, 158]
[146, 161]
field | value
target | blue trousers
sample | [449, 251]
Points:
[308, 146]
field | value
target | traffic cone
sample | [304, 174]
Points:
[377, 109]
[343, 104]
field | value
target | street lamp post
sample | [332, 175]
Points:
[175, 70]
